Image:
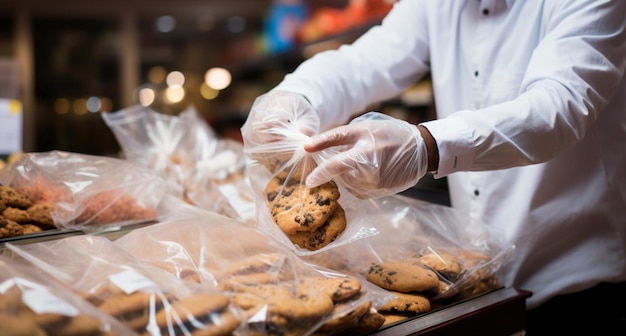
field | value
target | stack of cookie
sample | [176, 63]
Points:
[17, 318]
[33, 304]
[311, 218]
[433, 277]
[157, 312]
[295, 305]
[20, 215]
[351, 315]
[409, 282]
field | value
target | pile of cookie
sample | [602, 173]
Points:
[419, 280]
[311, 218]
[273, 291]
[296, 305]
[20, 215]
[430, 279]
[33, 200]
[17, 318]
[155, 312]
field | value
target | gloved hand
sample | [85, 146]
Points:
[277, 114]
[377, 156]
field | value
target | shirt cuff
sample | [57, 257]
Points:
[455, 145]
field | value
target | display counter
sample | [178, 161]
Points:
[500, 312]
[497, 313]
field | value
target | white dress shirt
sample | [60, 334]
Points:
[531, 128]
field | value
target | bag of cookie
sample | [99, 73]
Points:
[33, 304]
[146, 299]
[80, 190]
[197, 165]
[308, 220]
[274, 289]
[426, 254]
[22, 216]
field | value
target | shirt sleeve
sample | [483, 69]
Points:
[377, 66]
[571, 76]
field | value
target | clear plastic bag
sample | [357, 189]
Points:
[463, 255]
[197, 165]
[83, 190]
[33, 304]
[307, 220]
[273, 288]
[145, 298]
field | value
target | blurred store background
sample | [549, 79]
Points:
[64, 62]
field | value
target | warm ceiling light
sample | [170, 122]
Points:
[80, 106]
[217, 78]
[174, 94]
[207, 92]
[175, 78]
[62, 106]
[156, 74]
[146, 96]
[106, 105]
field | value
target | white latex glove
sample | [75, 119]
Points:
[277, 114]
[377, 156]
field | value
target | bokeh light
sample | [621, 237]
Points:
[93, 104]
[207, 92]
[156, 74]
[62, 106]
[174, 94]
[106, 105]
[165, 23]
[80, 106]
[146, 96]
[175, 78]
[217, 78]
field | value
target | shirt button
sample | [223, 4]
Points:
[476, 192]
[485, 11]
[476, 73]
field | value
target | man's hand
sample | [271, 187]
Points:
[376, 155]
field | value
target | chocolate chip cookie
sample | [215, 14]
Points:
[324, 235]
[402, 276]
[297, 208]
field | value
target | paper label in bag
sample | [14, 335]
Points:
[130, 281]
[42, 301]
[245, 209]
